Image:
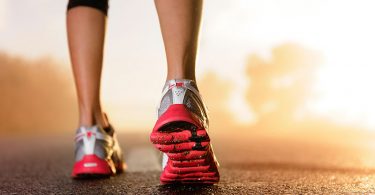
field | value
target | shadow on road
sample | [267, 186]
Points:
[188, 189]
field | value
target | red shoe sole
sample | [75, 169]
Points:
[92, 166]
[187, 145]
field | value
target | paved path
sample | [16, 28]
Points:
[251, 163]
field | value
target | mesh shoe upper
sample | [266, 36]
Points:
[95, 140]
[183, 91]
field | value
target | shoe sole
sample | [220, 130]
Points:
[190, 157]
[93, 167]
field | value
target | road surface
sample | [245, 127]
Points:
[251, 163]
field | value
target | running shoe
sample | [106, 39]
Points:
[181, 134]
[97, 153]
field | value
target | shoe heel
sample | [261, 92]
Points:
[91, 165]
[176, 112]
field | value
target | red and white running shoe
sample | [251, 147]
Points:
[97, 153]
[181, 134]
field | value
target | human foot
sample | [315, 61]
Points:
[181, 134]
[97, 153]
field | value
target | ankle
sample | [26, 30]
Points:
[93, 118]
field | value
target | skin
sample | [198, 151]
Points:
[179, 22]
[86, 31]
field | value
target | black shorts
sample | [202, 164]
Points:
[101, 5]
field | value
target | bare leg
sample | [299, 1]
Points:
[86, 30]
[180, 23]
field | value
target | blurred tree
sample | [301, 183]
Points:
[35, 96]
[216, 93]
[281, 85]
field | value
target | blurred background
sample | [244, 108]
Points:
[271, 66]
[289, 86]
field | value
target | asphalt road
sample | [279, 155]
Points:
[251, 163]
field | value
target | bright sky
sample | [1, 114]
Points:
[342, 31]
[2, 14]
